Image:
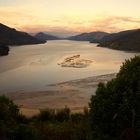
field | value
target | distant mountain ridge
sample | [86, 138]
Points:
[126, 40]
[10, 36]
[96, 36]
[44, 37]
[114, 36]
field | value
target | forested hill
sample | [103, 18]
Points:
[92, 36]
[126, 40]
[10, 36]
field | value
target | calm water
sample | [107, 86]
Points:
[33, 67]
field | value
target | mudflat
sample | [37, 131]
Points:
[74, 94]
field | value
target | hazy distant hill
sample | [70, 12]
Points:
[44, 36]
[126, 40]
[10, 36]
[96, 36]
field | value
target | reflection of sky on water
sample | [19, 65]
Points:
[34, 67]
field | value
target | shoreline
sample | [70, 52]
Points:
[74, 94]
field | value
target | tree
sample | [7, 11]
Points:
[63, 114]
[115, 109]
[25, 132]
[8, 110]
[8, 116]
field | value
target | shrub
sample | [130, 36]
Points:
[46, 115]
[115, 109]
[63, 115]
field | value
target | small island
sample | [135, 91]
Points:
[75, 61]
[4, 50]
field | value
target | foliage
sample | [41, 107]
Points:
[8, 110]
[8, 115]
[63, 115]
[46, 115]
[25, 132]
[62, 124]
[12, 125]
[49, 124]
[125, 40]
[115, 109]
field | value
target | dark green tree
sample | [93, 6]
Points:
[63, 114]
[8, 116]
[8, 110]
[115, 109]
[25, 132]
[13, 125]
[46, 115]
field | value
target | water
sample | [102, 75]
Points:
[33, 67]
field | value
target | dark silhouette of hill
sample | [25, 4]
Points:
[92, 36]
[126, 40]
[43, 36]
[10, 36]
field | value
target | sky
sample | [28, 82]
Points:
[67, 17]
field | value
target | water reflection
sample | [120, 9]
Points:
[33, 67]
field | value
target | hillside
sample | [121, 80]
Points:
[92, 36]
[126, 40]
[10, 36]
[42, 36]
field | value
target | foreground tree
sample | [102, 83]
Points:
[115, 109]
[8, 115]
[13, 125]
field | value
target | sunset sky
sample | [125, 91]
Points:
[66, 17]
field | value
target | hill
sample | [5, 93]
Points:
[42, 36]
[125, 40]
[92, 36]
[10, 36]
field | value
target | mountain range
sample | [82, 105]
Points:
[10, 36]
[44, 37]
[96, 36]
[126, 40]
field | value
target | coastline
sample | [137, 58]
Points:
[74, 94]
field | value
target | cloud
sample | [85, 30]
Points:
[16, 18]
[114, 23]
[69, 27]
[108, 24]
[66, 24]
[128, 19]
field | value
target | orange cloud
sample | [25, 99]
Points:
[108, 24]
[111, 24]
[29, 22]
